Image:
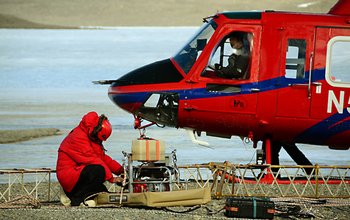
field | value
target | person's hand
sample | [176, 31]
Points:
[218, 66]
[118, 179]
[232, 60]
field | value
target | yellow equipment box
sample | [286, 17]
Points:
[189, 197]
[148, 150]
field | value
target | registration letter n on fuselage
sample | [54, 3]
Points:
[338, 104]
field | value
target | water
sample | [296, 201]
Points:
[46, 81]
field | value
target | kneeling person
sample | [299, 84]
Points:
[82, 165]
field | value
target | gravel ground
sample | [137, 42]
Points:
[54, 210]
[57, 211]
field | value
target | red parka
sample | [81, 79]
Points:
[78, 150]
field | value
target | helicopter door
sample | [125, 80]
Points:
[227, 101]
[293, 92]
[330, 90]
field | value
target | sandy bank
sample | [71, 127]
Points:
[8, 136]
[10, 21]
[115, 13]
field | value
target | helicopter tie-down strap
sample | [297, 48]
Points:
[189, 197]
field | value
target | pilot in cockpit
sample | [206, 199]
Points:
[237, 61]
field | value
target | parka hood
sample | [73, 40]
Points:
[89, 121]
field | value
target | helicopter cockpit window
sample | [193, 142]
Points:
[189, 53]
[295, 59]
[230, 59]
[337, 61]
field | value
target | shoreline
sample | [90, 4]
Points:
[65, 14]
[12, 136]
[13, 22]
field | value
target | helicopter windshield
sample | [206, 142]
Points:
[190, 52]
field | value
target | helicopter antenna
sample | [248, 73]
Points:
[206, 19]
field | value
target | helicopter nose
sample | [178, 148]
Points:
[125, 98]
[133, 88]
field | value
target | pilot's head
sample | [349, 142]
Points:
[236, 39]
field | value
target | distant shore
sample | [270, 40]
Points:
[9, 136]
[66, 14]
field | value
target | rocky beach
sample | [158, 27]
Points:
[29, 208]
[56, 211]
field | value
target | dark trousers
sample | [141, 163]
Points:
[90, 181]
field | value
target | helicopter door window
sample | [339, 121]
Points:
[295, 59]
[337, 61]
[230, 59]
[152, 101]
[161, 107]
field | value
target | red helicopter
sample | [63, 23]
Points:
[293, 85]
